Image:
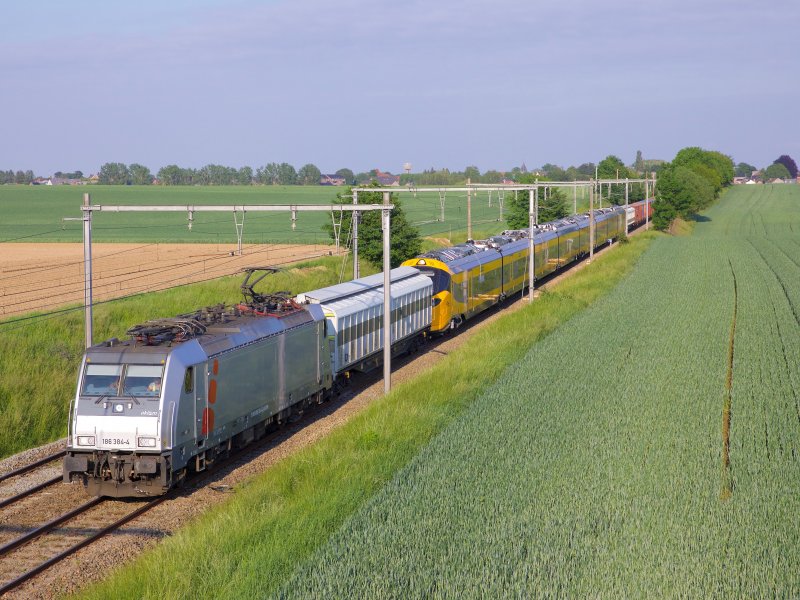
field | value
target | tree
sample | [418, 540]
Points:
[286, 174]
[788, 162]
[114, 174]
[681, 192]
[245, 176]
[140, 175]
[718, 167]
[638, 164]
[611, 167]
[308, 174]
[170, 175]
[472, 173]
[404, 237]
[492, 176]
[348, 175]
[776, 170]
[554, 172]
[587, 169]
[268, 174]
[551, 207]
[744, 170]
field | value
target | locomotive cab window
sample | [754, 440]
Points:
[101, 380]
[143, 380]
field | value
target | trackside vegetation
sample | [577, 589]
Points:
[251, 545]
[689, 184]
[649, 448]
[39, 358]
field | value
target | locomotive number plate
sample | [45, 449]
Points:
[116, 441]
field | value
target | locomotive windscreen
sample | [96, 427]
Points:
[122, 380]
[440, 279]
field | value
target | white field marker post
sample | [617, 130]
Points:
[387, 296]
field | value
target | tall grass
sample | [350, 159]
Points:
[250, 546]
[39, 358]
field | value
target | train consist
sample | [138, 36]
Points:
[183, 391]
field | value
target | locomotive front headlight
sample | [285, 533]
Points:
[118, 408]
[146, 442]
[85, 440]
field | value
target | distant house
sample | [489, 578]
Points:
[739, 180]
[776, 180]
[508, 181]
[386, 179]
[334, 179]
[63, 181]
[94, 178]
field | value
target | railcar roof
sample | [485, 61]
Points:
[217, 337]
[355, 287]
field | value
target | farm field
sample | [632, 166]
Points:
[648, 448]
[40, 277]
[34, 213]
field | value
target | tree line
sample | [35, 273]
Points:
[19, 177]
[690, 183]
[782, 167]
[274, 173]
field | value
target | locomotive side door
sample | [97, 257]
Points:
[201, 374]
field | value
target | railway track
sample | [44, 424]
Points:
[32, 539]
[35, 551]
[34, 488]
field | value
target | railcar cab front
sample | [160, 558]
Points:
[441, 301]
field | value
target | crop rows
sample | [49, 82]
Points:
[594, 467]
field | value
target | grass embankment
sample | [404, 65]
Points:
[250, 546]
[39, 358]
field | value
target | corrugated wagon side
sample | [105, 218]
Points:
[354, 317]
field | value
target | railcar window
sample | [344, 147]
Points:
[101, 380]
[188, 380]
[439, 278]
[143, 380]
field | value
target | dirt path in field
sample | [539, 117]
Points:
[49, 276]
[95, 562]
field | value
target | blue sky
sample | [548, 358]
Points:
[366, 85]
